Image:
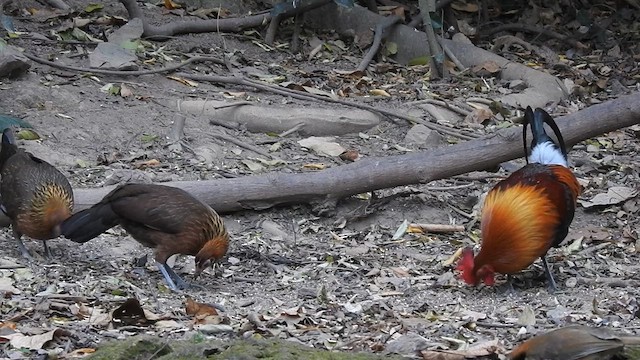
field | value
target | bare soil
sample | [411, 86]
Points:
[351, 285]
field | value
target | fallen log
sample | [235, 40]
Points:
[263, 191]
[258, 192]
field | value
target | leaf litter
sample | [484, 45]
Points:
[365, 283]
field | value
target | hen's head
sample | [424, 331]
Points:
[213, 251]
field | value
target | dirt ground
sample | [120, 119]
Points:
[319, 281]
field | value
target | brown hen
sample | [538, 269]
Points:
[35, 195]
[165, 218]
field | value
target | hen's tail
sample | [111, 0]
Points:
[87, 224]
[8, 146]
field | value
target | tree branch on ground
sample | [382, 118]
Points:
[213, 25]
[259, 192]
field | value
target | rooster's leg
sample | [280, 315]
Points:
[23, 249]
[552, 282]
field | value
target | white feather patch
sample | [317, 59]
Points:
[547, 153]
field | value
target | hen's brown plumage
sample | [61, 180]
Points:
[35, 195]
[161, 217]
[573, 343]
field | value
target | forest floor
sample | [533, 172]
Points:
[339, 282]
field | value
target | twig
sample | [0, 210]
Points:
[242, 144]
[463, 213]
[534, 29]
[480, 176]
[495, 325]
[598, 247]
[611, 282]
[312, 97]
[58, 4]
[447, 188]
[292, 130]
[123, 73]
[74, 298]
[438, 228]
[377, 40]
[435, 51]
[452, 56]
[445, 105]
[19, 315]
[479, 100]
[11, 267]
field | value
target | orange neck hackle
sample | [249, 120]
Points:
[53, 205]
[470, 274]
[213, 250]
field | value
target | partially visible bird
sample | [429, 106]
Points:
[35, 195]
[527, 213]
[157, 216]
[7, 121]
[573, 343]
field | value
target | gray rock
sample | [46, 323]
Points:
[407, 345]
[12, 62]
[423, 137]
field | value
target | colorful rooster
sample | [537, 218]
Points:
[527, 213]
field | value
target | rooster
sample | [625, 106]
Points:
[527, 213]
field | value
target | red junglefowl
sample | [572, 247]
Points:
[527, 213]
[35, 195]
[161, 217]
[574, 343]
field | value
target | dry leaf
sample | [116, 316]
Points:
[453, 257]
[32, 342]
[615, 195]
[8, 325]
[125, 91]
[234, 95]
[379, 92]
[196, 308]
[147, 163]
[78, 353]
[322, 145]
[350, 155]
[171, 5]
[471, 7]
[487, 68]
[478, 116]
[314, 166]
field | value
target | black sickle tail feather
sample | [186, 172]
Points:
[9, 147]
[87, 224]
[536, 121]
